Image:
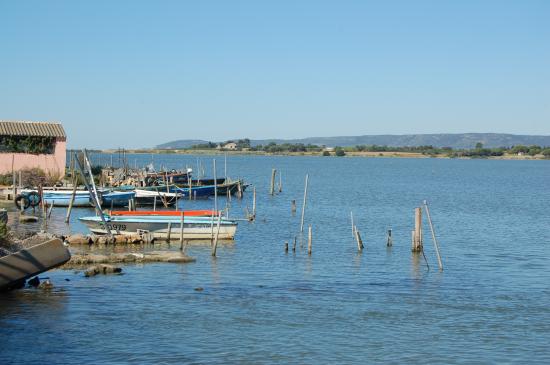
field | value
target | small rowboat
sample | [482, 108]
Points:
[148, 197]
[62, 198]
[161, 227]
[116, 198]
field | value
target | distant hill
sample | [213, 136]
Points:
[459, 140]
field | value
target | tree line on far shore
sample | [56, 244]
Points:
[479, 151]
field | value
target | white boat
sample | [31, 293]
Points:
[194, 228]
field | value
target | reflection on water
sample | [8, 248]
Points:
[260, 305]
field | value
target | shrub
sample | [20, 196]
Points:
[326, 153]
[339, 152]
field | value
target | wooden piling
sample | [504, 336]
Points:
[169, 232]
[181, 230]
[309, 239]
[215, 246]
[272, 188]
[254, 202]
[359, 240]
[50, 211]
[215, 187]
[293, 207]
[417, 238]
[389, 239]
[286, 247]
[352, 225]
[439, 262]
[212, 230]
[294, 245]
[155, 203]
[280, 182]
[304, 204]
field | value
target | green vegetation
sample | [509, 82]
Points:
[478, 152]
[27, 144]
[286, 147]
[339, 151]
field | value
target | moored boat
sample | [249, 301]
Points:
[116, 198]
[194, 228]
[62, 198]
[165, 213]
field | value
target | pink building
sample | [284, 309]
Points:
[26, 145]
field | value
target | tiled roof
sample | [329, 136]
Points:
[41, 129]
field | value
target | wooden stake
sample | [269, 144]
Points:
[294, 245]
[225, 166]
[417, 230]
[293, 207]
[309, 239]
[272, 188]
[280, 182]
[359, 240]
[50, 211]
[181, 231]
[217, 235]
[190, 187]
[389, 240]
[352, 226]
[254, 202]
[169, 232]
[71, 202]
[286, 247]
[433, 236]
[215, 187]
[212, 230]
[304, 205]
[155, 203]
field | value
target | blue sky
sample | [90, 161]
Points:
[130, 73]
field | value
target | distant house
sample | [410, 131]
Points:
[32, 145]
[230, 146]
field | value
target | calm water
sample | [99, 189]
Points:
[260, 305]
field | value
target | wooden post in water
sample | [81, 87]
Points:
[294, 245]
[225, 166]
[352, 225]
[280, 182]
[286, 247]
[155, 203]
[304, 205]
[272, 188]
[254, 202]
[50, 211]
[169, 232]
[214, 248]
[71, 202]
[215, 187]
[417, 238]
[359, 240]
[389, 239]
[181, 231]
[293, 207]
[212, 230]
[190, 187]
[433, 236]
[309, 239]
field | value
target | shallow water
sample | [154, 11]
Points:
[491, 304]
